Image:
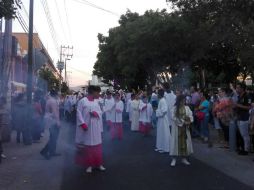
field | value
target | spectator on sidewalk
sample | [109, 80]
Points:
[20, 113]
[242, 111]
[252, 126]
[204, 108]
[224, 114]
[53, 121]
[195, 101]
[2, 102]
[37, 118]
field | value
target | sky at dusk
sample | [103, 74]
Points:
[77, 23]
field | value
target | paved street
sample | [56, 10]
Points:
[131, 164]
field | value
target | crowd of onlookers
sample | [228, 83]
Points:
[229, 110]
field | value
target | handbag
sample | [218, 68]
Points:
[200, 115]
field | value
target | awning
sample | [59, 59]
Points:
[18, 84]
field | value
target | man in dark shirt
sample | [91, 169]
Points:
[242, 110]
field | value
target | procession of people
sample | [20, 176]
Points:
[174, 117]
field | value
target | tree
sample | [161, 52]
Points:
[207, 37]
[65, 89]
[47, 80]
[142, 49]
[230, 40]
[8, 8]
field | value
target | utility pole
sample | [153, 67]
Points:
[28, 135]
[30, 55]
[66, 53]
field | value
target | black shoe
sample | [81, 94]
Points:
[27, 143]
[243, 153]
[55, 155]
[45, 155]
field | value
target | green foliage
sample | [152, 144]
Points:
[47, 80]
[65, 89]
[214, 37]
[8, 8]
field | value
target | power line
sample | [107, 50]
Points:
[67, 20]
[60, 19]
[24, 25]
[50, 23]
[83, 72]
[27, 15]
[22, 22]
[97, 7]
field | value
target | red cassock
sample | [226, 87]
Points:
[89, 156]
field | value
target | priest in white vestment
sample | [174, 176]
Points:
[171, 100]
[181, 144]
[163, 132]
[135, 114]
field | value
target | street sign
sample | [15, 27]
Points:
[60, 65]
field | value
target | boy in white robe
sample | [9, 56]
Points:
[163, 132]
[117, 129]
[88, 133]
[129, 108]
[108, 109]
[145, 118]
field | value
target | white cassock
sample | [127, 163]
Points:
[135, 115]
[129, 108]
[100, 103]
[108, 108]
[92, 136]
[145, 114]
[174, 133]
[171, 100]
[163, 132]
[118, 116]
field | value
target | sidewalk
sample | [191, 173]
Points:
[238, 167]
[26, 169]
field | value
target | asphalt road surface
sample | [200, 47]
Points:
[132, 164]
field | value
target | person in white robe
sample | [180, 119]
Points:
[108, 109]
[163, 132]
[145, 118]
[88, 132]
[117, 129]
[181, 144]
[135, 114]
[129, 108]
[171, 100]
[100, 102]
